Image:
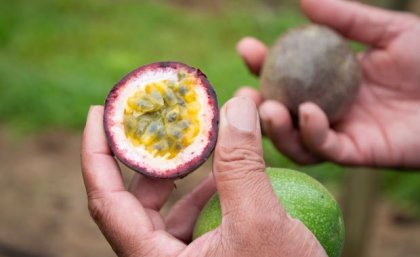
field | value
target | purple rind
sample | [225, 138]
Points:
[188, 167]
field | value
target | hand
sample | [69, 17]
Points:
[382, 126]
[254, 223]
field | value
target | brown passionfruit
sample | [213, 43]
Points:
[161, 119]
[312, 63]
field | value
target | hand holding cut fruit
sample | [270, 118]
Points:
[254, 223]
[380, 127]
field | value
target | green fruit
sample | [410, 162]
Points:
[311, 63]
[304, 198]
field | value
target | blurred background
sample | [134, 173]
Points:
[58, 57]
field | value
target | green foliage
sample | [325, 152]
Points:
[60, 56]
[404, 189]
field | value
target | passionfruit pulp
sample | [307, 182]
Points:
[161, 119]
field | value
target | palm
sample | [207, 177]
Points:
[381, 127]
[383, 120]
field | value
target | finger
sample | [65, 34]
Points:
[239, 168]
[253, 52]
[181, 219]
[251, 93]
[100, 170]
[278, 126]
[318, 136]
[152, 193]
[367, 24]
[118, 214]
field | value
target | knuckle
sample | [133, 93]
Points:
[262, 234]
[97, 206]
[262, 224]
[246, 158]
[101, 204]
[272, 225]
[263, 214]
[145, 247]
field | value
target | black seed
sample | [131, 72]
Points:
[144, 104]
[178, 146]
[181, 102]
[149, 116]
[141, 126]
[170, 97]
[181, 76]
[129, 123]
[176, 134]
[171, 116]
[183, 90]
[184, 124]
[157, 97]
[157, 147]
[161, 133]
[153, 127]
[162, 145]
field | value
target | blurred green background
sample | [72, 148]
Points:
[58, 57]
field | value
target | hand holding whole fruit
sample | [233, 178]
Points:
[311, 64]
[303, 198]
[254, 223]
[381, 126]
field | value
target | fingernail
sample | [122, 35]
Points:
[241, 113]
[240, 46]
[91, 109]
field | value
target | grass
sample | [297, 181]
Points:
[58, 57]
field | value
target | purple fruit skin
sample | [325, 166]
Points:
[312, 63]
[181, 170]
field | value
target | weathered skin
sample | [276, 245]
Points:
[314, 64]
[307, 203]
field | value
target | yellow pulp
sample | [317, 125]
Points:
[163, 116]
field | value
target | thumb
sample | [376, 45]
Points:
[357, 21]
[238, 167]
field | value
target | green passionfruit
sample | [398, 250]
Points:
[304, 199]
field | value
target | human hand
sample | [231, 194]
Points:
[382, 126]
[254, 223]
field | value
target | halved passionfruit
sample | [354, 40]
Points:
[161, 119]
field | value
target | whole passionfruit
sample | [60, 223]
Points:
[303, 198]
[161, 119]
[312, 63]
